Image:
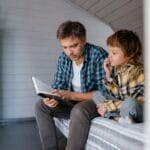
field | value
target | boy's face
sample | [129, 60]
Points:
[117, 57]
[73, 48]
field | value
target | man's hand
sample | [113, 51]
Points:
[101, 109]
[64, 94]
[50, 102]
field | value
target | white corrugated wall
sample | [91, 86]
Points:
[28, 46]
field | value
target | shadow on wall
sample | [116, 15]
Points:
[1, 63]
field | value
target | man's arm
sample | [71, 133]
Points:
[82, 96]
[62, 75]
[74, 96]
[101, 94]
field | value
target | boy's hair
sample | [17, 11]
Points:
[128, 41]
[71, 28]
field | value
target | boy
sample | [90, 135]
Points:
[124, 79]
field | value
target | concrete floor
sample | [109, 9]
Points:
[23, 136]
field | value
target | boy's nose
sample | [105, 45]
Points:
[109, 56]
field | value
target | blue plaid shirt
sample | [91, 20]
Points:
[92, 72]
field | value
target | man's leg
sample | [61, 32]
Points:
[80, 121]
[44, 117]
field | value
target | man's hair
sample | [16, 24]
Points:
[128, 41]
[71, 28]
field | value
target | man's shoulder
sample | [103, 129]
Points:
[95, 50]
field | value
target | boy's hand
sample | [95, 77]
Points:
[50, 102]
[101, 109]
[107, 67]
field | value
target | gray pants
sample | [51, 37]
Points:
[130, 107]
[134, 109]
[80, 116]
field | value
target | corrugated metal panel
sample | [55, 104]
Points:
[117, 13]
[28, 46]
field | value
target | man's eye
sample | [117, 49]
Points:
[64, 47]
[75, 45]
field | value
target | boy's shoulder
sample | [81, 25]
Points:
[136, 70]
[137, 66]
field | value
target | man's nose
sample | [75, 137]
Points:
[70, 51]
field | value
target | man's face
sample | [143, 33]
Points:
[73, 47]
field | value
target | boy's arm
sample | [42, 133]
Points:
[111, 86]
[136, 88]
[112, 106]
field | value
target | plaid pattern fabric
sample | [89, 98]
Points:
[112, 105]
[92, 72]
[128, 82]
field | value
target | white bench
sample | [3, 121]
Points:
[107, 134]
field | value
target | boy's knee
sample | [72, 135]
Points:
[129, 103]
[129, 108]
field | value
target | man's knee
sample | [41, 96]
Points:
[78, 112]
[84, 111]
[38, 105]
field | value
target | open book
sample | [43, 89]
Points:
[44, 90]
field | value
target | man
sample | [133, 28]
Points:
[79, 74]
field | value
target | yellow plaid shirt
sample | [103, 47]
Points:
[127, 82]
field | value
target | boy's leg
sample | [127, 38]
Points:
[80, 121]
[44, 117]
[132, 108]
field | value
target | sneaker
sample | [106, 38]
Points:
[126, 120]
